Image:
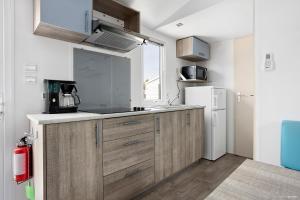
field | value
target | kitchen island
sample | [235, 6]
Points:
[113, 156]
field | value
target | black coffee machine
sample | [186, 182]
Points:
[61, 96]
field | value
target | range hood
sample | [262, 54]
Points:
[115, 38]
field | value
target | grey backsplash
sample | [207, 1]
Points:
[103, 80]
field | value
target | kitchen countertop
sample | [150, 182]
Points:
[81, 116]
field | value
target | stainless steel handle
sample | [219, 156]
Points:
[129, 123]
[1, 105]
[239, 95]
[97, 134]
[86, 22]
[201, 54]
[188, 118]
[134, 172]
[157, 124]
[133, 142]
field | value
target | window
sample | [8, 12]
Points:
[152, 73]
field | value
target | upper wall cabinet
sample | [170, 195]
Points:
[69, 20]
[192, 49]
[130, 17]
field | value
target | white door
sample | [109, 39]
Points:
[244, 91]
[218, 133]
[1, 106]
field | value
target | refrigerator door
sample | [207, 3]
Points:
[218, 134]
[218, 99]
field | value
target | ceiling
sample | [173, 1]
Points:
[211, 20]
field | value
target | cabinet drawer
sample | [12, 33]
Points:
[129, 182]
[117, 128]
[126, 152]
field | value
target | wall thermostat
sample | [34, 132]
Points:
[269, 62]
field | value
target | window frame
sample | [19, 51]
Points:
[162, 69]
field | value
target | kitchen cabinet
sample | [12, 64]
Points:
[130, 182]
[163, 144]
[117, 128]
[116, 158]
[126, 152]
[69, 20]
[128, 156]
[178, 141]
[73, 161]
[194, 132]
[192, 49]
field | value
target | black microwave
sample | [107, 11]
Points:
[194, 72]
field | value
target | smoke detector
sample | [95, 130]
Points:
[179, 24]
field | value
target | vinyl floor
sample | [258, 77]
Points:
[195, 182]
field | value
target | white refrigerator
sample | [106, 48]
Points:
[214, 100]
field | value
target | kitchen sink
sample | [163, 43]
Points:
[168, 107]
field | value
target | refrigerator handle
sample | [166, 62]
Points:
[214, 119]
[215, 99]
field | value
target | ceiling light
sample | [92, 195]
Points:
[179, 24]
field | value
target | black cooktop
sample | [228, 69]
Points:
[111, 110]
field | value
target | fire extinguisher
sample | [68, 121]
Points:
[22, 161]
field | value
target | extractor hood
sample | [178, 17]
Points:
[115, 38]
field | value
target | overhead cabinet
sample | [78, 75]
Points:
[192, 49]
[72, 20]
[69, 20]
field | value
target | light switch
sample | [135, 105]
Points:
[32, 80]
[31, 68]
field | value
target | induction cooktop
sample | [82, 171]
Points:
[113, 110]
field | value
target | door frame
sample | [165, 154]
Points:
[8, 10]
[1, 120]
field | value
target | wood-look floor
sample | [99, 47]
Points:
[195, 182]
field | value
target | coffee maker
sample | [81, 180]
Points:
[61, 96]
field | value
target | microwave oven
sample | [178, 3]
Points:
[194, 72]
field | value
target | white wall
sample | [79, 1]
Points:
[277, 30]
[54, 61]
[221, 74]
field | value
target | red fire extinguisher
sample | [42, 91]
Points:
[22, 161]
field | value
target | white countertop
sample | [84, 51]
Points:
[81, 116]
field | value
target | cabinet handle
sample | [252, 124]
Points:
[97, 134]
[132, 143]
[157, 124]
[134, 172]
[129, 123]
[201, 54]
[86, 22]
[188, 118]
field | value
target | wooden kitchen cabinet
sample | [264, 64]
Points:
[126, 152]
[116, 158]
[194, 132]
[73, 161]
[69, 20]
[128, 156]
[178, 141]
[192, 49]
[128, 183]
[164, 144]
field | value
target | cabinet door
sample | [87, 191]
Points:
[73, 161]
[194, 135]
[163, 145]
[179, 141]
[72, 15]
[200, 49]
